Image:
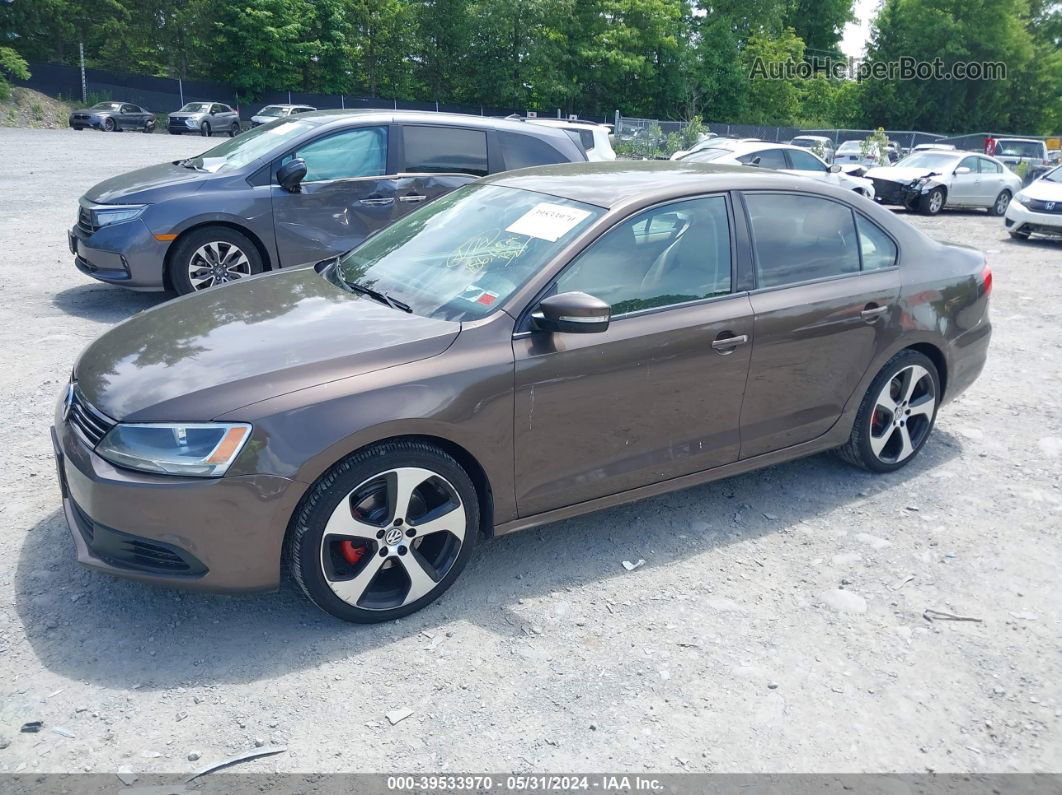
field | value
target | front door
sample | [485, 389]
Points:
[966, 188]
[657, 395]
[345, 196]
[825, 305]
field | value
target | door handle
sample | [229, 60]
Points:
[412, 198]
[377, 202]
[726, 345]
[872, 312]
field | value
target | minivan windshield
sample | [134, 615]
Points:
[196, 107]
[463, 255]
[249, 146]
[927, 160]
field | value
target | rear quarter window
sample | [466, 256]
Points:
[522, 151]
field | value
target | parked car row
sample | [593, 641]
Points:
[202, 118]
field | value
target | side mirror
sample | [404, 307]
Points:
[835, 169]
[962, 170]
[291, 174]
[572, 313]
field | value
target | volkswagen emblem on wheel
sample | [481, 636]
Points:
[394, 535]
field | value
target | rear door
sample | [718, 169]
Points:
[348, 193]
[436, 159]
[992, 182]
[825, 303]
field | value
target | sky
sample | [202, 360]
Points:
[854, 42]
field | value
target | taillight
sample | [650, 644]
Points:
[986, 279]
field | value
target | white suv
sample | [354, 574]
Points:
[593, 137]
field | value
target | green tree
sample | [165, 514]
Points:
[771, 101]
[260, 44]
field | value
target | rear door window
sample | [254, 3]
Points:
[444, 150]
[800, 238]
[521, 151]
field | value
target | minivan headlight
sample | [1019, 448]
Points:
[105, 216]
[203, 450]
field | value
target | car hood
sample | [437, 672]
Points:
[198, 357]
[899, 175]
[187, 115]
[1044, 190]
[142, 185]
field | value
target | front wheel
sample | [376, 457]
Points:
[204, 129]
[896, 415]
[933, 202]
[1000, 205]
[385, 532]
[211, 256]
[109, 125]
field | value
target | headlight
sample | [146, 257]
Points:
[189, 121]
[104, 215]
[1023, 199]
[202, 450]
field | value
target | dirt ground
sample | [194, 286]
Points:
[776, 625]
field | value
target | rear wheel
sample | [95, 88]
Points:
[896, 415]
[234, 130]
[149, 126]
[204, 129]
[999, 206]
[211, 256]
[384, 532]
[933, 202]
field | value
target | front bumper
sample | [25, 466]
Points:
[216, 534]
[1020, 218]
[126, 254]
[894, 193]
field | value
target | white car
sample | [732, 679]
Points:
[1037, 208]
[593, 137]
[780, 157]
[931, 180]
[816, 143]
[705, 141]
[273, 112]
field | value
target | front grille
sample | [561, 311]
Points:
[1040, 206]
[89, 423]
[84, 220]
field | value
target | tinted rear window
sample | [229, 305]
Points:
[445, 150]
[521, 151]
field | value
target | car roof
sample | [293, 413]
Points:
[1023, 140]
[562, 123]
[618, 182]
[740, 147]
[814, 137]
[282, 105]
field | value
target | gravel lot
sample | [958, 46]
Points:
[731, 649]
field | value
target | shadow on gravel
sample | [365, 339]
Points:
[93, 628]
[104, 303]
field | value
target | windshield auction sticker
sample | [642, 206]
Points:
[547, 221]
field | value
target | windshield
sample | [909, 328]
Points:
[849, 147]
[707, 155]
[196, 107]
[249, 146]
[808, 143]
[106, 106]
[1019, 148]
[935, 160]
[272, 110]
[464, 254]
[1053, 176]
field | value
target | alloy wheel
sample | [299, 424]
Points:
[936, 201]
[216, 263]
[1002, 202]
[903, 414]
[393, 538]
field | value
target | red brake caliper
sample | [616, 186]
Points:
[351, 554]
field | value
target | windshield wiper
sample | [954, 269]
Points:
[383, 298]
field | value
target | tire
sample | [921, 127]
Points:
[210, 256]
[933, 202]
[109, 125]
[999, 206]
[149, 127]
[385, 568]
[234, 130]
[204, 129]
[896, 416]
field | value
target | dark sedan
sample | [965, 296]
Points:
[113, 117]
[291, 192]
[538, 345]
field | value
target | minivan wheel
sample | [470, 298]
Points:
[211, 256]
[204, 129]
[999, 206]
[933, 202]
[896, 415]
[384, 532]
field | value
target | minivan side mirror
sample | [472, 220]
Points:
[835, 169]
[962, 170]
[572, 313]
[291, 174]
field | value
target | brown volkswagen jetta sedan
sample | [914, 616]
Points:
[540, 344]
